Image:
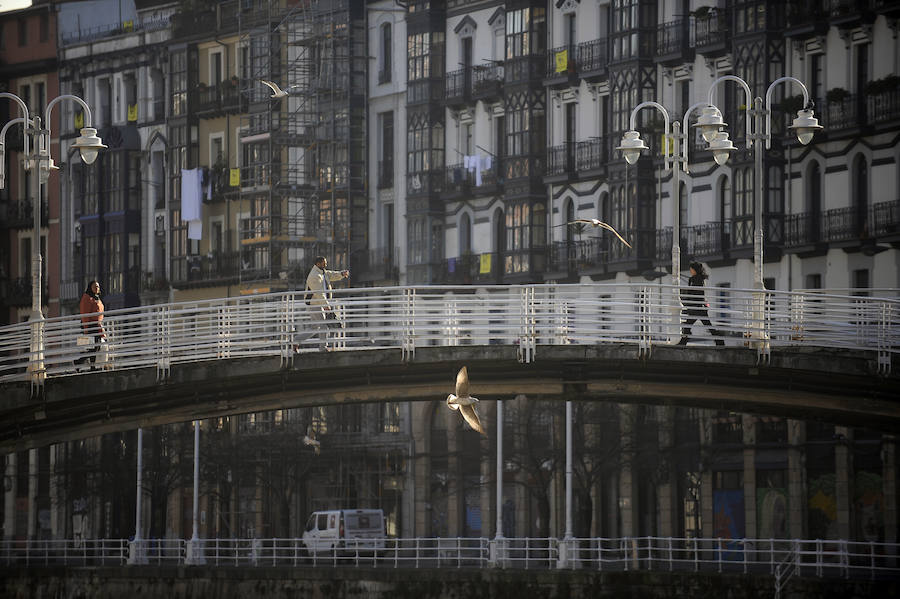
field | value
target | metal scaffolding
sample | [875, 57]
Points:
[303, 155]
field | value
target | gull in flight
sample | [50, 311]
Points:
[598, 223]
[277, 92]
[310, 439]
[464, 402]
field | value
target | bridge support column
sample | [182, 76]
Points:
[194, 548]
[843, 475]
[498, 545]
[797, 496]
[889, 467]
[748, 426]
[137, 551]
[11, 478]
[32, 493]
[567, 545]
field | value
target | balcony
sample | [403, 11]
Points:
[425, 182]
[886, 7]
[707, 241]
[379, 264]
[673, 43]
[592, 156]
[524, 69]
[562, 68]
[806, 19]
[385, 174]
[883, 107]
[207, 270]
[462, 270]
[842, 112]
[17, 292]
[424, 91]
[220, 99]
[803, 231]
[560, 162]
[711, 31]
[487, 82]
[458, 181]
[20, 214]
[592, 60]
[849, 13]
[458, 88]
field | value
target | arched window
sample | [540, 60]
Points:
[604, 207]
[465, 234]
[860, 195]
[499, 232]
[725, 212]
[813, 200]
[570, 216]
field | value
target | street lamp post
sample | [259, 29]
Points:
[804, 126]
[631, 148]
[38, 163]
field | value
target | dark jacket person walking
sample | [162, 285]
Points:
[695, 306]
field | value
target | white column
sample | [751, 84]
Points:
[137, 553]
[498, 544]
[567, 545]
[195, 546]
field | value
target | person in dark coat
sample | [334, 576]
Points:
[695, 306]
[91, 309]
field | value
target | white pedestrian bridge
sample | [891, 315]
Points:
[407, 318]
[819, 354]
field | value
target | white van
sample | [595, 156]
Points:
[345, 531]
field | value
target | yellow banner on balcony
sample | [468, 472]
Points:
[79, 120]
[562, 61]
[128, 25]
[485, 266]
[234, 177]
[132, 113]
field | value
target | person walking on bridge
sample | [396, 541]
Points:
[318, 288]
[695, 304]
[91, 308]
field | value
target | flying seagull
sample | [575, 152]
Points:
[277, 92]
[310, 439]
[597, 223]
[464, 402]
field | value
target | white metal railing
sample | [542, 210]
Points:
[780, 558]
[406, 318]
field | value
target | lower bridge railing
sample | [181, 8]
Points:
[811, 558]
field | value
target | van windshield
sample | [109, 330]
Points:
[371, 521]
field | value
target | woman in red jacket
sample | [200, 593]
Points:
[91, 308]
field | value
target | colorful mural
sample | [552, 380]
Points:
[821, 507]
[728, 520]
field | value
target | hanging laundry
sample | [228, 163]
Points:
[191, 201]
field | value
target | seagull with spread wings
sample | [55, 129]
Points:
[465, 403]
[596, 223]
[277, 92]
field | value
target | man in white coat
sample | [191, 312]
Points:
[318, 283]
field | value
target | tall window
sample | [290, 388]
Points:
[386, 150]
[625, 24]
[816, 78]
[386, 56]
[861, 195]
[418, 53]
[425, 144]
[178, 79]
[525, 32]
[725, 212]
[465, 234]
